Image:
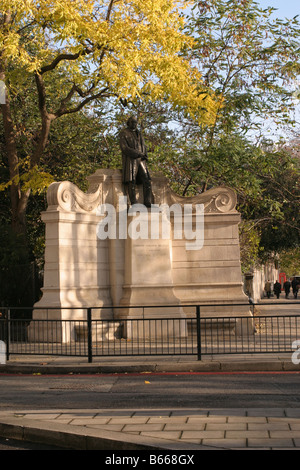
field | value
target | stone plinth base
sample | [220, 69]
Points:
[138, 275]
[101, 331]
[154, 329]
[148, 290]
[61, 324]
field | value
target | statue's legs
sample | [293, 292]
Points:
[143, 176]
[132, 193]
[147, 193]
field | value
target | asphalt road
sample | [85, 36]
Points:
[214, 390]
[11, 444]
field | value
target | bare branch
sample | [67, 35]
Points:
[46, 120]
[61, 57]
[26, 26]
[61, 111]
[41, 93]
[75, 88]
[110, 6]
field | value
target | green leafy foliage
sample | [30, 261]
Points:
[202, 88]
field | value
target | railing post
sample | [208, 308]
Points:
[89, 325]
[7, 333]
[198, 333]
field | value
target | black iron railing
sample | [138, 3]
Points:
[93, 332]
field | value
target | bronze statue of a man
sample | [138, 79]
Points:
[134, 162]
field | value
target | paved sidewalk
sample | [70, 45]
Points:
[154, 429]
[157, 429]
[125, 364]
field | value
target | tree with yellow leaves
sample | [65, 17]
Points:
[91, 50]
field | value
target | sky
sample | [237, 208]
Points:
[285, 8]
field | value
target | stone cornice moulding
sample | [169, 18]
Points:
[67, 197]
[216, 200]
[221, 199]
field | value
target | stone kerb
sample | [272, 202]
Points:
[2, 352]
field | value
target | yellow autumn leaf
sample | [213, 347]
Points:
[133, 48]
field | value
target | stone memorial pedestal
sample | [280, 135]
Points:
[148, 289]
[121, 276]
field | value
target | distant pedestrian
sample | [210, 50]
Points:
[277, 289]
[295, 287]
[287, 288]
[268, 289]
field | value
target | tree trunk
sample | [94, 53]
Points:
[18, 198]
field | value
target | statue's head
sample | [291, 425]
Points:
[132, 123]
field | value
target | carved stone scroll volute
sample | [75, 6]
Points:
[66, 196]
